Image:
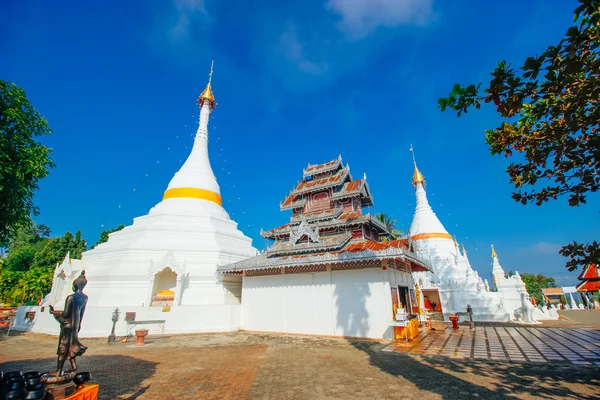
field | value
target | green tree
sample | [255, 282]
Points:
[535, 284]
[550, 121]
[37, 283]
[390, 223]
[27, 271]
[104, 234]
[21, 258]
[23, 247]
[28, 233]
[55, 250]
[23, 160]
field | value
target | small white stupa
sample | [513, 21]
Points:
[454, 284]
[163, 266]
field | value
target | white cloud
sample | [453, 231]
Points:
[546, 248]
[359, 17]
[185, 12]
[293, 50]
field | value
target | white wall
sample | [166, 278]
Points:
[339, 303]
[97, 320]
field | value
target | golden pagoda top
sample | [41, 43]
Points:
[417, 175]
[207, 94]
[494, 252]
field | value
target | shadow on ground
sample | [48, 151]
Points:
[454, 379]
[110, 371]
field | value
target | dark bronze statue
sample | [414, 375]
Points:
[70, 318]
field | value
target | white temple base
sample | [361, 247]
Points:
[97, 320]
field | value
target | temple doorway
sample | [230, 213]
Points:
[165, 283]
[405, 299]
[433, 304]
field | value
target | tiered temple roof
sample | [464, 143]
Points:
[590, 279]
[328, 228]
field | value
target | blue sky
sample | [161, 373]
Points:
[296, 82]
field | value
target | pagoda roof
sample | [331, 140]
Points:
[361, 254]
[292, 201]
[321, 168]
[317, 215]
[588, 286]
[590, 272]
[347, 218]
[307, 186]
[331, 242]
[355, 188]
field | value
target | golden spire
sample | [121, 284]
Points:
[455, 242]
[417, 175]
[464, 250]
[494, 252]
[207, 94]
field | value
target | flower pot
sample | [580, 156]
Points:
[454, 319]
[140, 334]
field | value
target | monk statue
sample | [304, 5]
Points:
[70, 318]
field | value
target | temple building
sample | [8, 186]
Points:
[327, 271]
[590, 279]
[453, 283]
[163, 266]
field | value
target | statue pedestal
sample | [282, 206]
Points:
[60, 391]
[59, 387]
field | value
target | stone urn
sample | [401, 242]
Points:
[140, 334]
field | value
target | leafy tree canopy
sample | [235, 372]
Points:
[550, 122]
[23, 160]
[535, 284]
[27, 271]
[390, 223]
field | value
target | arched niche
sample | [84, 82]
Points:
[166, 282]
[165, 287]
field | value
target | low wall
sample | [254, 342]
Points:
[97, 320]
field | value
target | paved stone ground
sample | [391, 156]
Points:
[508, 343]
[256, 366]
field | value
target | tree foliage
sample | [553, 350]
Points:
[27, 270]
[550, 122]
[104, 234]
[23, 160]
[390, 223]
[535, 284]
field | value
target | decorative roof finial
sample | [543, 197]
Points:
[464, 250]
[455, 242]
[494, 252]
[417, 175]
[207, 94]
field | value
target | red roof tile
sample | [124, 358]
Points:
[316, 183]
[351, 215]
[588, 286]
[590, 272]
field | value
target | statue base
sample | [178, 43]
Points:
[59, 387]
[60, 391]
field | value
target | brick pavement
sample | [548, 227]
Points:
[254, 366]
[508, 343]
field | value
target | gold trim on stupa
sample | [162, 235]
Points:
[494, 252]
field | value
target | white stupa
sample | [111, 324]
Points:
[162, 267]
[454, 284]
